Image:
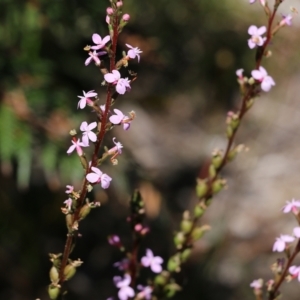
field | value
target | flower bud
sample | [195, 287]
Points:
[229, 131]
[109, 11]
[126, 17]
[186, 225]
[212, 171]
[162, 278]
[217, 159]
[198, 232]
[185, 254]
[218, 185]
[70, 269]
[85, 210]
[198, 211]
[53, 291]
[173, 264]
[54, 275]
[179, 239]
[201, 188]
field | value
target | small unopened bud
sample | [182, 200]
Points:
[54, 275]
[119, 3]
[70, 269]
[72, 132]
[198, 232]
[173, 264]
[198, 211]
[212, 171]
[162, 278]
[186, 225]
[126, 17]
[218, 185]
[217, 158]
[53, 291]
[201, 188]
[185, 254]
[109, 11]
[179, 239]
[85, 210]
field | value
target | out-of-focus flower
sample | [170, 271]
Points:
[68, 203]
[262, 76]
[125, 291]
[145, 292]
[70, 189]
[295, 272]
[239, 73]
[154, 262]
[257, 284]
[126, 17]
[286, 20]
[256, 39]
[280, 243]
[291, 206]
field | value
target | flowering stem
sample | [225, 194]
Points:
[80, 202]
[272, 294]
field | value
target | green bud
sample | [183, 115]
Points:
[185, 254]
[186, 225]
[69, 271]
[69, 221]
[249, 103]
[198, 211]
[217, 160]
[85, 210]
[199, 232]
[179, 239]
[162, 278]
[171, 289]
[54, 275]
[173, 264]
[53, 291]
[251, 81]
[201, 188]
[232, 154]
[218, 185]
[84, 162]
[229, 131]
[212, 171]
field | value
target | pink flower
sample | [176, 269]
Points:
[114, 240]
[125, 291]
[76, 145]
[134, 52]
[262, 76]
[291, 206]
[257, 284]
[68, 203]
[109, 11]
[122, 84]
[146, 292]
[97, 176]
[99, 41]
[239, 73]
[122, 265]
[154, 262]
[117, 148]
[94, 56]
[70, 189]
[120, 118]
[256, 39]
[126, 17]
[295, 272]
[286, 20]
[86, 98]
[88, 134]
[280, 243]
[262, 2]
[296, 232]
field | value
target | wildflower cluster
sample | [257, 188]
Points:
[77, 206]
[283, 268]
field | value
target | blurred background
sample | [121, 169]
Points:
[186, 84]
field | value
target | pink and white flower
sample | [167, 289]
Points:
[97, 176]
[256, 39]
[122, 84]
[94, 56]
[88, 134]
[70, 189]
[295, 272]
[257, 284]
[280, 243]
[85, 99]
[68, 203]
[133, 52]
[262, 76]
[154, 262]
[100, 43]
[76, 145]
[125, 291]
[291, 206]
[120, 118]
